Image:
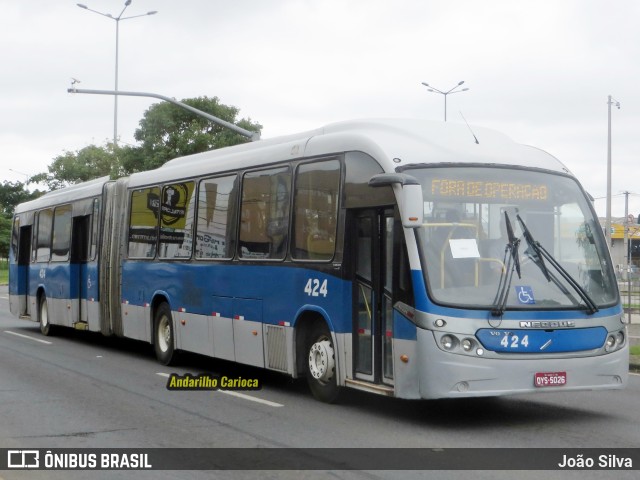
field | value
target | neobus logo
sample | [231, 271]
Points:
[554, 324]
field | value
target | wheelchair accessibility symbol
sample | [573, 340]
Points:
[525, 295]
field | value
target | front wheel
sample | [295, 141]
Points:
[43, 316]
[163, 335]
[321, 365]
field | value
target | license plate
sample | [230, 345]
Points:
[550, 379]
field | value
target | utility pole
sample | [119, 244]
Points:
[627, 253]
[607, 226]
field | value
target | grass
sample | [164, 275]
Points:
[635, 350]
[4, 273]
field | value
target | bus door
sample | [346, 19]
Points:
[79, 257]
[24, 260]
[372, 301]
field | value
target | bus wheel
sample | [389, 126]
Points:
[43, 314]
[321, 365]
[163, 334]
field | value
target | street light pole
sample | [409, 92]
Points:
[253, 136]
[607, 225]
[27, 177]
[444, 94]
[117, 20]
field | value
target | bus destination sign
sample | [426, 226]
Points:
[500, 191]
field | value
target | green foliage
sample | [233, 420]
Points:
[5, 236]
[79, 166]
[168, 131]
[13, 193]
[4, 272]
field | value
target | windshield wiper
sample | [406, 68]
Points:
[538, 256]
[511, 263]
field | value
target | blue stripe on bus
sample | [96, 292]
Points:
[253, 292]
[542, 341]
[59, 280]
[403, 328]
[206, 289]
[271, 294]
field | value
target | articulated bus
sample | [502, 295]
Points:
[403, 258]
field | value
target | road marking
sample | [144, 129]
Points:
[27, 336]
[237, 394]
[253, 399]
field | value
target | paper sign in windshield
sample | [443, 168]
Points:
[464, 248]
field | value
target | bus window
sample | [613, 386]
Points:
[176, 221]
[95, 228]
[61, 234]
[15, 235]
[143, 224]
[43, 236]
[265, 214]
[316, 210]
[359, 168]
[214, 238]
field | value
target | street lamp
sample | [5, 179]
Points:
[444, 94]
[117, 20]
[607, 225]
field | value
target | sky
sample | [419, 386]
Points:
[539, 71]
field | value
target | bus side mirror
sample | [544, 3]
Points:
[410, 201]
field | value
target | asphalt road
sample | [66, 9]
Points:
[81, 390]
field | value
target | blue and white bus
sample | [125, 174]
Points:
[397, 257]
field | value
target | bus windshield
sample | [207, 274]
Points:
[484, 230]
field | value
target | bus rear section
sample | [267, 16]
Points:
[54, 258]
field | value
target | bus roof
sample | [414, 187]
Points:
[76, 192]
[392, 142]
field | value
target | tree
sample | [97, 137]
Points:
[5, 236]
[168, 131]
[74, 167]
[13, 193]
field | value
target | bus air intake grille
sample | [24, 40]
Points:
[276, 348]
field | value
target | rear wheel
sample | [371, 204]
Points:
[43, 317]
[163, 335]
[321, 364]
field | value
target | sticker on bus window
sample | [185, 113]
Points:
[525, 295]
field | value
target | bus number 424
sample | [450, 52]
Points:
[315, 288]
[514, 342]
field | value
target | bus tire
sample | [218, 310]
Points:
[43, 317]
[321, 364]
[163, 334]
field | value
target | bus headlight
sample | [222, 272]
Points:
[615, 341]
[467, 344]
[448, 342]
[611, 343]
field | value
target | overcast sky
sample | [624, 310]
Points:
[539, 71]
